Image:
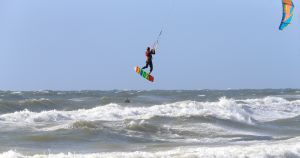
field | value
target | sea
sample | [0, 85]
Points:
[246, 123]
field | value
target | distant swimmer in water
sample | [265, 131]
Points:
[149, 53]
[127, 101]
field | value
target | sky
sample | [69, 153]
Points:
[95, 44]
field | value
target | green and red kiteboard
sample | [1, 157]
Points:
[144, 74]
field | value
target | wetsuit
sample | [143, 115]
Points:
[149, 60]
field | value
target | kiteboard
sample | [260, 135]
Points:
[144, 74]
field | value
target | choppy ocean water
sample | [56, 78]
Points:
[200, 123]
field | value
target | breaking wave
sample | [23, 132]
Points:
[32, 102]
[278, 149]
[248, 111]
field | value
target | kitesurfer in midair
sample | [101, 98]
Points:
[149, 53]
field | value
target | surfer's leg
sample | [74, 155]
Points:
[151, 66]
[146, 65]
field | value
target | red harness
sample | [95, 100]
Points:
[148, 54]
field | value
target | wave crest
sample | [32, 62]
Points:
[283, 149]
[244, 111]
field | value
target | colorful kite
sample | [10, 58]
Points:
[288, 12]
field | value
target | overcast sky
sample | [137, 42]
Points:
[95, 44]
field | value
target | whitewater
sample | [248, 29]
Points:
[181, 123]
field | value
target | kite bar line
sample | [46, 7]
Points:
[156, 43]
[167, 18]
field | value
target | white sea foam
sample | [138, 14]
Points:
[32, 101]
[42, 91]
[282, 149]
[272, 108]
[244, 111]
[78, 99]
[16, 93]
